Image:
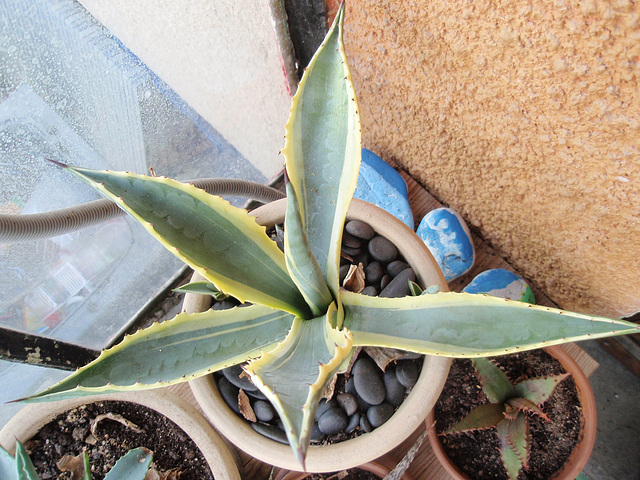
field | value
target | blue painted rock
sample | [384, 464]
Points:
[501, 283]
[380, 184]
[447, 237]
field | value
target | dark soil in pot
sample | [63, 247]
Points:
[476, 453]
[121, 426]
[370, 265]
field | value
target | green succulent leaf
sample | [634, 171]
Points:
[520, 438]
[495, 384]
[202, 288]
[294, 375]
[221, 242]
[8, 469]
[323, 150]
[538, 390]
[462, 324]
[481, 417]
[86, 475]
[510, 458]
[25, 468]
[132, 466]
[302, 265]
[524, 405]
[178, 350]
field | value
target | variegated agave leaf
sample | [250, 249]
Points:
[221, 242]
[294, 375]
[468, 325]
[323, 150]
[302, 265]
[177, 350]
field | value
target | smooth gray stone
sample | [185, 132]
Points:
[395, 390]
[256, 394]
[352, 252]
[349, 387]
[382, 249]
[269, 431]
[264, 411]
[378, 414]
[316, 435]
[395, 267]
[323, 406]
[333, 421]
[407, 373]
[229, 393]
[367, 380]
[370, 291]
[225, 304]
[344, 269]
[350, 241]
[399, 286]
[233, 375]
[365, 425]
[360, 229]
[347, 402]
[354, 421]
[384, 281]
[373, 273]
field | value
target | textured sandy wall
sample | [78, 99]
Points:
[524, 116]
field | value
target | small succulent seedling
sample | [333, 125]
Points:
[131, 466]
[508, 411]
[301, 327]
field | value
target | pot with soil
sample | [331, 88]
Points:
[107, 426]
[562, 434]
[364, 448]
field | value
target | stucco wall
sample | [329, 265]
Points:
[524, 116]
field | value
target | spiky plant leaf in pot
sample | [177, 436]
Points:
[301, 326]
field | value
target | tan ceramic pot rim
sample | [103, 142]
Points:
[26, 423]
[364, 448]
[581, 453]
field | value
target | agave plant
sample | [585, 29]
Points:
[131, 466]
[301, 326]
[507, 411]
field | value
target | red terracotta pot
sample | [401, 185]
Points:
[581, 453]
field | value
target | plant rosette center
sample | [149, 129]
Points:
[376, 381]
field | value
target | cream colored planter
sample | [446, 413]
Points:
[26, 423]
[364, 448]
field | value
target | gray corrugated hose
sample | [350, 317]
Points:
[20, 228]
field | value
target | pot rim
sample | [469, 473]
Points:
[365, 448]
[380, 467]
[588, 425]
[26, 423]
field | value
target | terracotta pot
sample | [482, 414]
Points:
[364, 448]
[581, 453]
[380, 467]
[28, 421]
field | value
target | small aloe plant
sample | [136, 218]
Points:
[301, 326]
[131, 466]
[507, 411]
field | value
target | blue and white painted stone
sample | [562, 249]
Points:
[499, 282]
[381, 185]
[447, 237]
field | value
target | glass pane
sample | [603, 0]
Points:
[69, 91]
